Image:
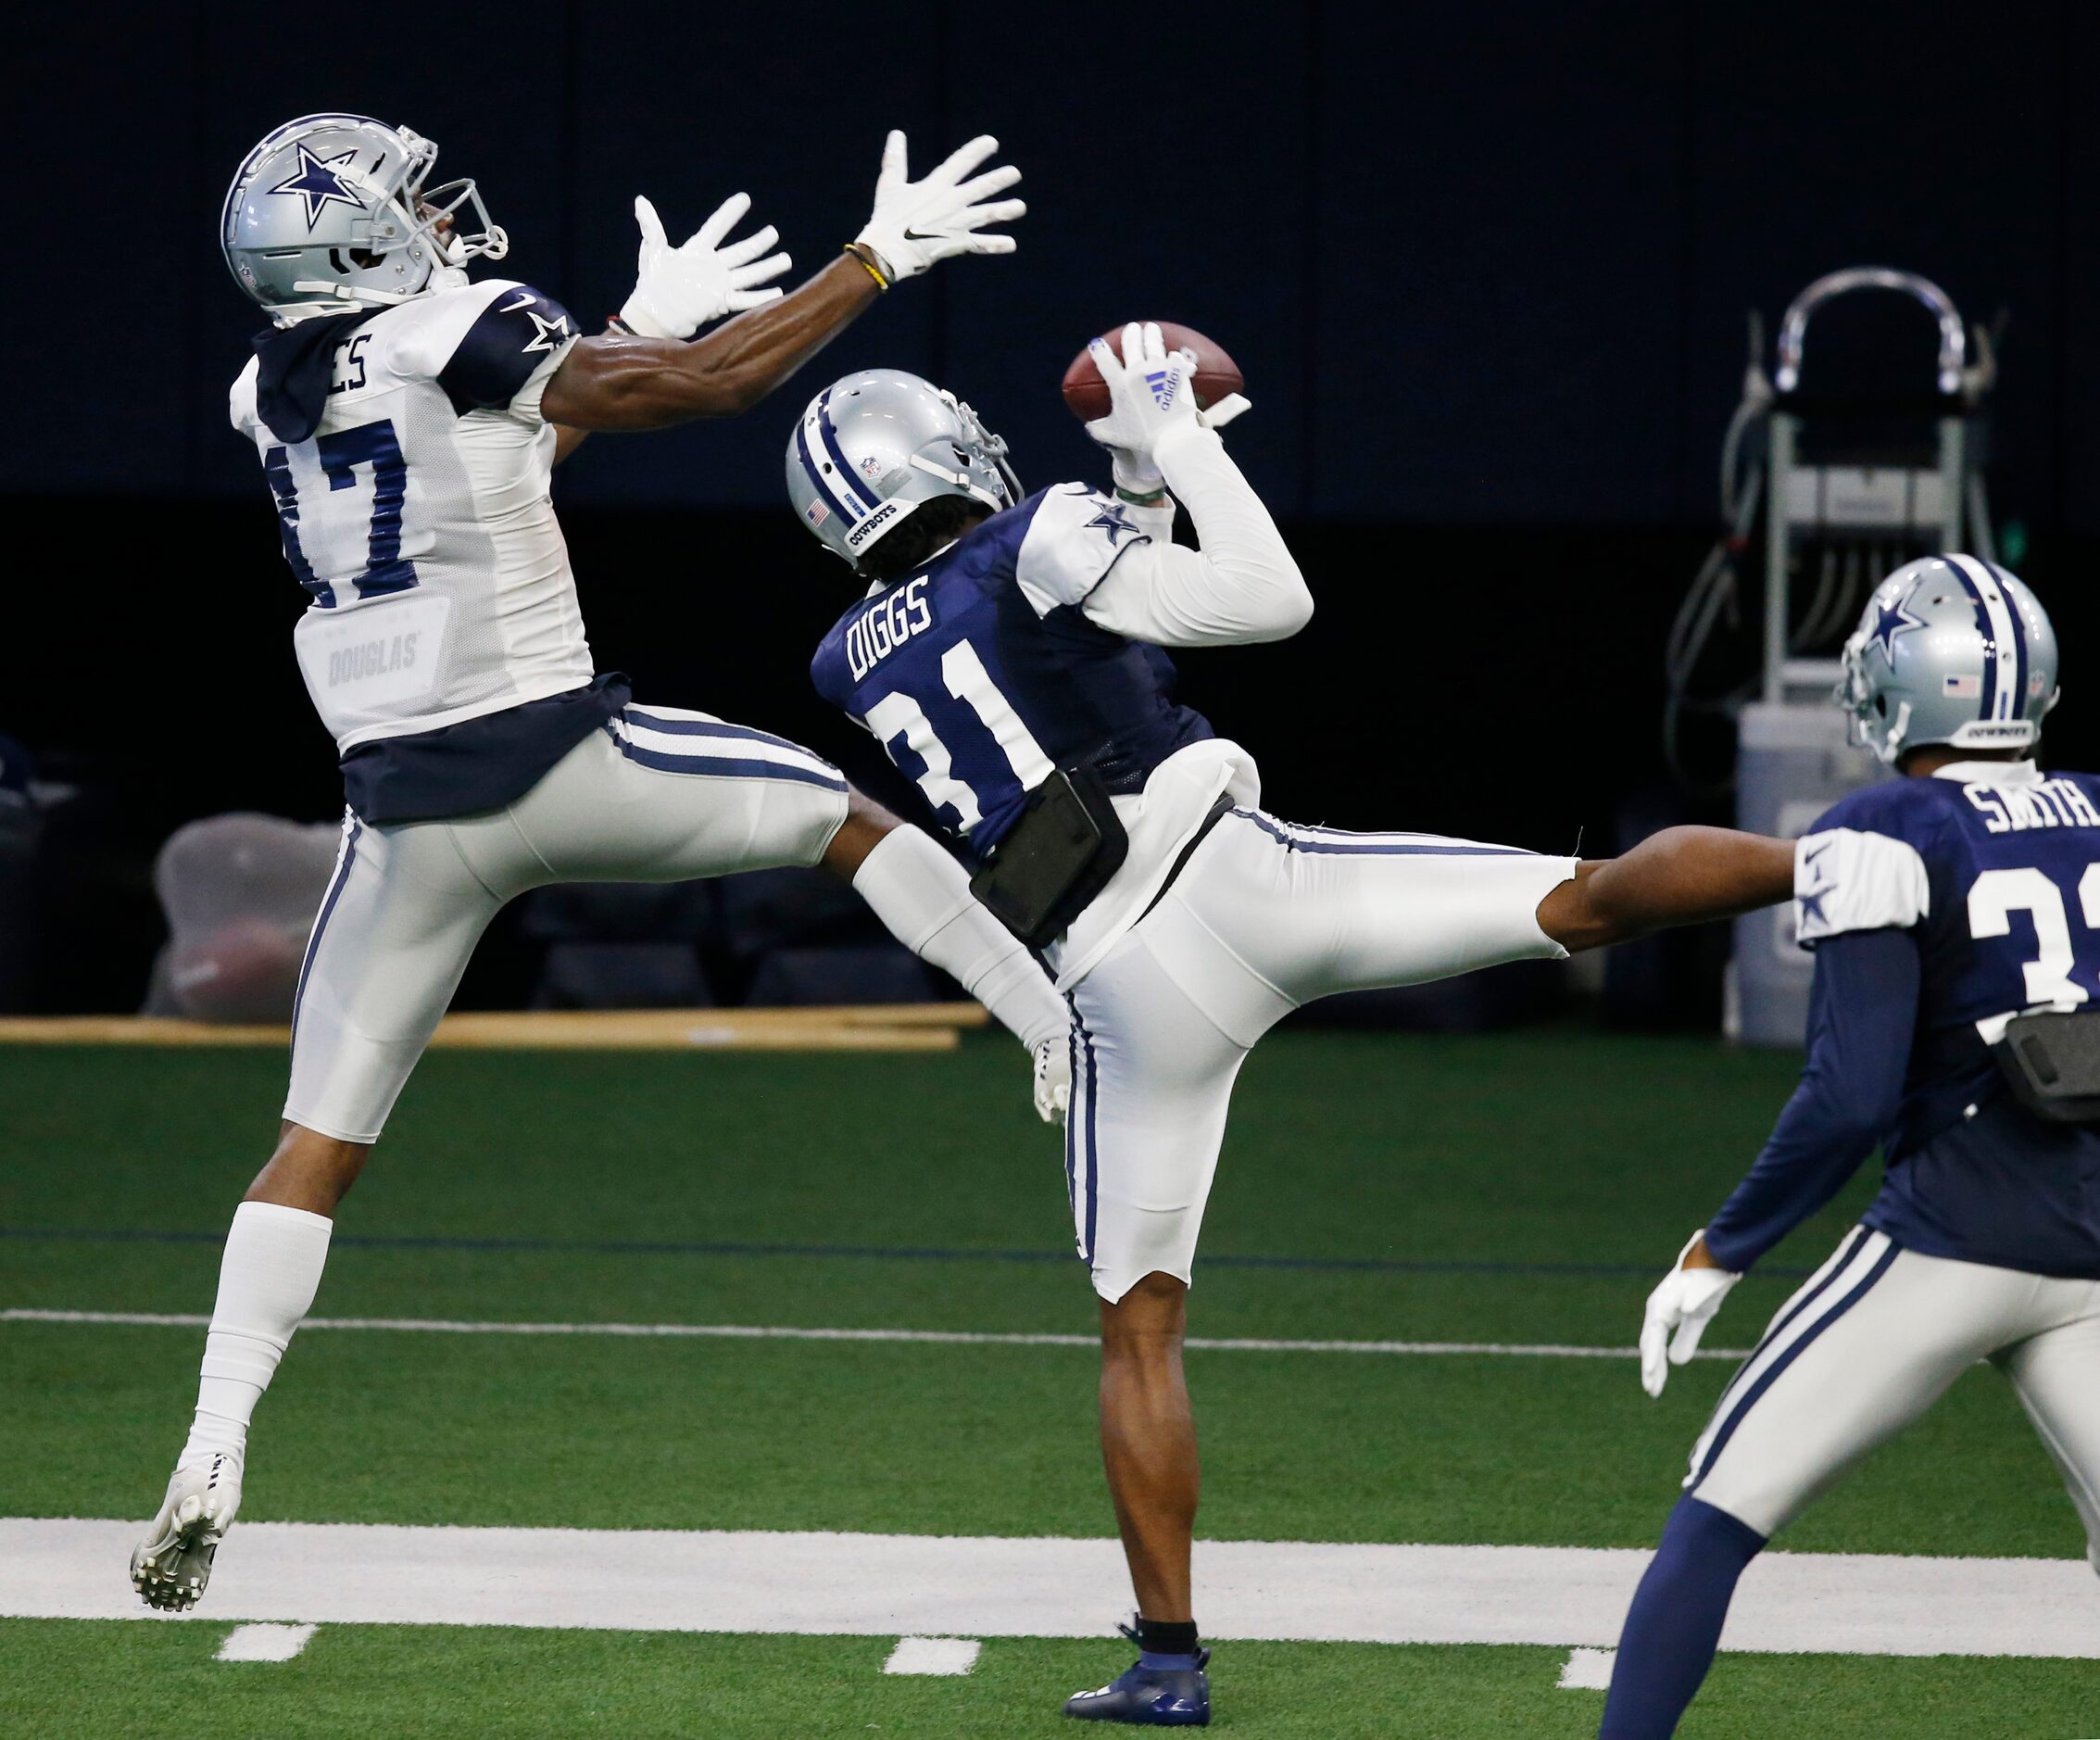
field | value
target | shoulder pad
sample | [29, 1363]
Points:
[483, 344]
[519, 333]
[1847, 879]
[1075, 537]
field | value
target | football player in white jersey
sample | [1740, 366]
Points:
[1007, 656]
[406, 422]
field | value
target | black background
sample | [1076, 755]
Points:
[1485, 267]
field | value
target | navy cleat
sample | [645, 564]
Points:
[1149, 1697]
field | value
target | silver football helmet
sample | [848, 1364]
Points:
[872, 446]
[329, 215]
[1951, 649]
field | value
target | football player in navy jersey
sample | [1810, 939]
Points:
[1007, 656]
[406, 421]
[1942, 907]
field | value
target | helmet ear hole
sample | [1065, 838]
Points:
[1882, 705]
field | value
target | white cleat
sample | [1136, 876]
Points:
[171, 1567]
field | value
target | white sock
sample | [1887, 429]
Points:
[267, 1279]
[923, 896]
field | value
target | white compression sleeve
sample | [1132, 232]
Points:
[922, 895]
[1243, 584]
[267, 1279]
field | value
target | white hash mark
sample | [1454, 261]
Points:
[1587, 1671]
[933, 1655]
[264, 1642]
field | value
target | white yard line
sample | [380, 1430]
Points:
[963, 1338]
[264, 1642]
[1587, 1671]
[933, 1586]
[933, 1655]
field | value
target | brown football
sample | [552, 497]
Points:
[1216, 374]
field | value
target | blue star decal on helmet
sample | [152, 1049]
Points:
[319, 182]
[1113, 520]
[1891, 620]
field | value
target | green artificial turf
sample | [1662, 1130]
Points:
[1521, 1188]
[78, 1681]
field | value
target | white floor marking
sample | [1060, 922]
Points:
[903, 1585]
[1587, 1671]
[264, 1642]
[933, 1655]
[968, 1338]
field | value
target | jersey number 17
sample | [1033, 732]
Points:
[329, 528]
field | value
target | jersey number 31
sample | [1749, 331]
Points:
[898, 715]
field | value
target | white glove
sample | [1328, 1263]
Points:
[1053, 1078]
[1137, 474]
[1678, 1310]
[679, 290]
[1151, 392]
[916, 223]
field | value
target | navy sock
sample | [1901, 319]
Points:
[1167, 1645]
[1674, 1625]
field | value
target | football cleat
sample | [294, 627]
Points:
[171, 1567]
[1149, 1697]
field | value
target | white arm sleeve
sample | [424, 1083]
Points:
[1243, 585]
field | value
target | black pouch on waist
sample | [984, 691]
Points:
[2053, 1061]
[1061, 854]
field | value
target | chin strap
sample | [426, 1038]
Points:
[961, 480]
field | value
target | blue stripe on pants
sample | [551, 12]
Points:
[1846, 1251]
[730, 766]
[1772, 1372]
[321, 921]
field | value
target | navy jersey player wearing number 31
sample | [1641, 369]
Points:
[1955, 915]
[1007, 657]
[406, 422]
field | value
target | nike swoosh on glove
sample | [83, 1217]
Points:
[916, 223]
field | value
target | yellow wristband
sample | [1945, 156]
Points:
[865, 255]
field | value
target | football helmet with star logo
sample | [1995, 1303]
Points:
[1950, 650]
[330, 215]
[873, 447]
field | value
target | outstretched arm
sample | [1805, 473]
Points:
[620, 381]
[648, 378]
[1683, 876]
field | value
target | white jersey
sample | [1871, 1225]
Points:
[416, 511]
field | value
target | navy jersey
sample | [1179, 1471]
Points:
[982, 675]
[1939, 908]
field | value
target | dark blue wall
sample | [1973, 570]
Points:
[1482, 263]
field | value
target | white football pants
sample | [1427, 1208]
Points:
[1264, 917]
[655, 795]
[1873, 1340]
